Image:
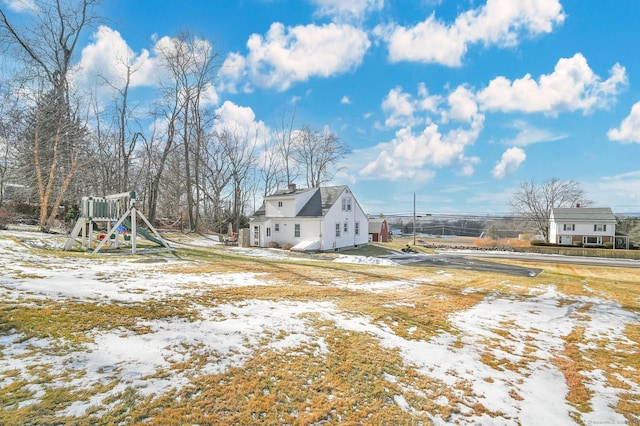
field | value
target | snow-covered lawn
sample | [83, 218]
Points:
[496, 364]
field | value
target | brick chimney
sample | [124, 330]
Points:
[292, 187]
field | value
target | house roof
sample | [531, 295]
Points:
[582, 214]
[375, 225]
[287, 193]
[320, 202]
[318, 205]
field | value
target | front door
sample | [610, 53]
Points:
[256, 236]
[566, 240]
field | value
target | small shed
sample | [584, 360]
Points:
[378, 230]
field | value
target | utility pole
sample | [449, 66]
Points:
[414, 218]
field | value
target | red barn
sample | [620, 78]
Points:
[378, 230]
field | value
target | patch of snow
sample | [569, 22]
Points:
[365, 260]
[524, 331]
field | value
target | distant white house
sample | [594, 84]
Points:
[580, 225]
[315, 219]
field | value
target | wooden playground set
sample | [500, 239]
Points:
[119, 215]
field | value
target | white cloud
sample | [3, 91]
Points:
[106, 59]
[347, 10]
[401, 108]
[511, 159]
[233, 70]
[629, 130]
[345, 100]
[241, 121]
[498, 22]
[20, 6]
[572, 86]
[409, 153]
[463, 106]
[285, 56]
[529, 135]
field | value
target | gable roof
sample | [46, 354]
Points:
[317, 206]
[321, 201]
[375, 225]
[583, 214]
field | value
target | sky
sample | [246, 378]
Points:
[455, 101]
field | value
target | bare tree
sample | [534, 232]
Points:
[189, 63]
[272, 169]
[285, 145]
[535, 201]
[9, 116]
[317, 153]
[216, 175]
[126, 133]
[239, 151]
[45, 44]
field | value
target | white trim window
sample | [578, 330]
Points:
[277, 227]
[357, 228]
[569, 227]
[268, 232]
[296, 230]
[591, 239]
[337, 229]
[346, 204]
[346, 227]
[600, 227]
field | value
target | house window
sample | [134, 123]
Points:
[277, 227]
[268, 232]
[346, 204]
[600, 228]
[337, 229]
[279, 203]
[591, 240]
[296, 231]
[346, 227]
[569, 227]
[357, 228]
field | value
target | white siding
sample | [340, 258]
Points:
[291, 204]
[320, 229]
[578, 228]
[337, 215]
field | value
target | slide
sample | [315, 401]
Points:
[143, 232]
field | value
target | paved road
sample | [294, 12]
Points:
[550, 258]
[474, 260]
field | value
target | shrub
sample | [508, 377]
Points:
[5, 217]
[484, 242]
[608, 245]
[541, 243]
[598, 246]
[287, 246]
[273, 244]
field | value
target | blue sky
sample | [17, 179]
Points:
[457, 101]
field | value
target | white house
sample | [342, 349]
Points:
[315, 219]
[577, 225]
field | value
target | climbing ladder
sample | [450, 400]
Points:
[116, 210]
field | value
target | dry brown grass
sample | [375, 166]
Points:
[346, 378]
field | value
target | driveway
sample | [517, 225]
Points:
[460, 261]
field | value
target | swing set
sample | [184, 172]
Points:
[120, 214]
